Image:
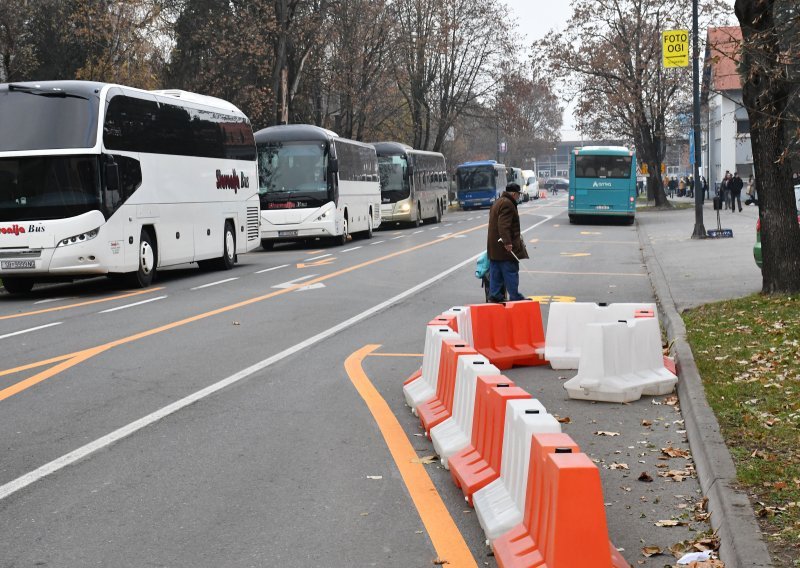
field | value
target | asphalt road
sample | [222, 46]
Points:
[210, 420]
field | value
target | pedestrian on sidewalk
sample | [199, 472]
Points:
[724, 190]
[752, 192]
[735, 186]
[504, 254]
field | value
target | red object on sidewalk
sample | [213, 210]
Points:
[478, 464]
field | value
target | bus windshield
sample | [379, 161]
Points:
[479, 177]
[606, 167]
[394, 181]
[48, 187]
[43, 120]
[291, 170]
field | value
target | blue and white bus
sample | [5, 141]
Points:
[98, 179]
[314, 184]
[479, 184]
[413, 183]
[602, 182]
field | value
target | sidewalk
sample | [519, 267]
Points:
[686, 273]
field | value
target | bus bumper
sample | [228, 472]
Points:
[465, 203]
[401, 212]
[298, 231]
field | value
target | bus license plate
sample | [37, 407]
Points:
[602, 207]
[287, 233]
[12, 264]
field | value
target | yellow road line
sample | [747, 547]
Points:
[78, 357]
[79, 304]
[447, 539]
[395, 355]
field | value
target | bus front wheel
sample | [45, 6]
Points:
[147, 254]
[342, 239]
[18, 285]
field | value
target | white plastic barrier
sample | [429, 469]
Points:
[424, 388]
[458, 312]
[620, 362]
[455, 433]
[465, 325]
[500, 504]
[567, 321]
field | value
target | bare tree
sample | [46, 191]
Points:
[449, 56]
[770, 90]
[17, 58]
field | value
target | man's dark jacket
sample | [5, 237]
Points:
[504, 223]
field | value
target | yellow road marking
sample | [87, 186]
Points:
[69, 361]
[79, 304]
[321, 262]
[445, 536]
[575, 254]
[548, 299]
[396, 355]
[590, 233]
[592, 241]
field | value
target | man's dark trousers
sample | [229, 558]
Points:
[504, 272]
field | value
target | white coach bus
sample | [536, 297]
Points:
[413, 183]
[106, 179]
[314, 184]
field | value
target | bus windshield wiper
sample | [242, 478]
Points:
[42, 93]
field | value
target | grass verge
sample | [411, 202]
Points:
[748, 353]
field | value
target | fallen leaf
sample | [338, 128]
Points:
[618, 466]
[649, 551]
[671, 523]
[676, 452]
[425, 460]
[644, 476]
[647, 423]
[565, 420]
[439, 562]
[603, 433]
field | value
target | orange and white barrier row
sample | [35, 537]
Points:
[536, 496]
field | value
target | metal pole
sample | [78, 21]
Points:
[699, 228]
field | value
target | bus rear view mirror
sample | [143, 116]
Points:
[409, 171]
[112, 177]
[333, 165]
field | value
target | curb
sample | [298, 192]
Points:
[732, 517]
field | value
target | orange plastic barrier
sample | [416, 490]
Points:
[564, 523]
[440, 408]
[669, 364]
[509, 334]
[644, 313]
[415, 375]
[478, 464]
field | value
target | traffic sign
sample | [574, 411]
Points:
[675, 48]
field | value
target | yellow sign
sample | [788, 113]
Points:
[675, 48]
[548, 299]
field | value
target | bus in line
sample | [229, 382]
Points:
[314, 184]
[479, 184]
[413, 183]
[602, 183]
[99, 178]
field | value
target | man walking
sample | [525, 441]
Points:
[504, 241]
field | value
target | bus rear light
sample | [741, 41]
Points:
[572, 198]
[631, 199]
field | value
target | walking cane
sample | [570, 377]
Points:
[500, 240]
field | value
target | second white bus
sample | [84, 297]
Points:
[314, 184]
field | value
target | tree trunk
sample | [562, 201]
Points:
[765, 92]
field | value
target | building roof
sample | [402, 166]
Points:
[722, 55]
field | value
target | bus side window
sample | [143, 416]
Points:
[130, 178]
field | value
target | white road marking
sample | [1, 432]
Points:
[434, 228]
[271, 269]
[351, 248]
[449, 225]
[296, 280]
[445, 235]
[107, 440]
[215, 283]
[48, 300]
[318, 257]
[420, 231]
[134, 304]
[377, 243]
[395, 238]
[29, 330]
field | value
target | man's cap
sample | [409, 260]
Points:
[513, 188]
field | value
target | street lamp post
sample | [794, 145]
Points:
[699, 229]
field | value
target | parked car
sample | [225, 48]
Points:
[554, 184]
[757, 246]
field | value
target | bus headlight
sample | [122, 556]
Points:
[82, 238]
[323, 216]
[405, 207]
